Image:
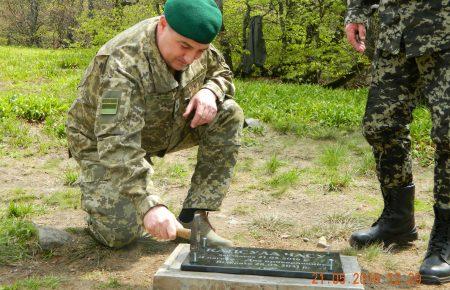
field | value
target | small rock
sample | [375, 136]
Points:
[285, 236]
[50, 238]
[233, 222]
[322, 243]
[253, 123]
[305, 240]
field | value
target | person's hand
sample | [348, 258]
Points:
[356, 36]
[204, 104]
[161, 223]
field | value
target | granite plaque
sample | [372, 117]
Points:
[266, 262]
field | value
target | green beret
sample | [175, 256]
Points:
[199, 20]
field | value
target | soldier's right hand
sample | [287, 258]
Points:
[356, 36]
[161, 223]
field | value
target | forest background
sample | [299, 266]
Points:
[304, 39]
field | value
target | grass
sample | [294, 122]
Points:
[270, 223]
[69, 198]
[20, 195]
[285, 179]
[35, 282]
[40, 84]
[242, 210]
[273, 164]
[333, 156]
[373, 252]
[110, 284]
[335, 226]
[17, 239]
[70, 177]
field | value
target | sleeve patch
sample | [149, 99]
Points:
[110, 102]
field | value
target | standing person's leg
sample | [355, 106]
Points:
[435, 71]
[386, 122]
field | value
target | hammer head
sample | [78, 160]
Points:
[196, 235]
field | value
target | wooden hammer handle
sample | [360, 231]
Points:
[184, 233]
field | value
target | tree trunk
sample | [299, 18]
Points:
[224, 39]
[33, 23]
[91, 8]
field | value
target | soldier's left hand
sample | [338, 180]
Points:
[204, 104]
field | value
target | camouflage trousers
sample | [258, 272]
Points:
[116, 223]
[397, 84]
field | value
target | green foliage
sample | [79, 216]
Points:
[35, 108]
[305, 40]
[97, 27]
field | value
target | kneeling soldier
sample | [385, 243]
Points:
[156, 88]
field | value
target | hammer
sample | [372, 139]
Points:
[184, 233]
[193, 234]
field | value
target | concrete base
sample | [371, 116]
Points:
[170, 277]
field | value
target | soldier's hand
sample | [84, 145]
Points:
[356, 36]
[161, 223]
[204, 104]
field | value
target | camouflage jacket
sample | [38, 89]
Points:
[422, 26]
[130, 106]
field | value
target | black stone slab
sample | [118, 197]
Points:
[266, 262]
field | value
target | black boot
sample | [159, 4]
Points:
[435, 268]
[396, 223]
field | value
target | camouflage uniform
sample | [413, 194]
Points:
[412, 59]
[129, 109]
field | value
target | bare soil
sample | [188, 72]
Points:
[254, 214]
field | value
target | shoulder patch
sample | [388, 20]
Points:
[110, 102]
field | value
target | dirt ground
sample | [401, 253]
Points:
[258, 212]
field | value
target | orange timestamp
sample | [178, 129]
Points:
[366, 278]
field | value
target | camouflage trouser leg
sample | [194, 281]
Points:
[219, 143]
[435, 72]
[396, 84]
[388, 114]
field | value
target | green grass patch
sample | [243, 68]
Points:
[40, 84]
[112, 283]
[335, 226]
[15, 133]
[17, 238]
[372, 252]
[285, 179]
[272, 223]
[69, 198]
[422, 205]
[337, 181]
[20, 195]
[366, 164]
[272, 165]
[70, 177]
[242, 210]
[45, 282]
[305, 110]
[334, 156]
